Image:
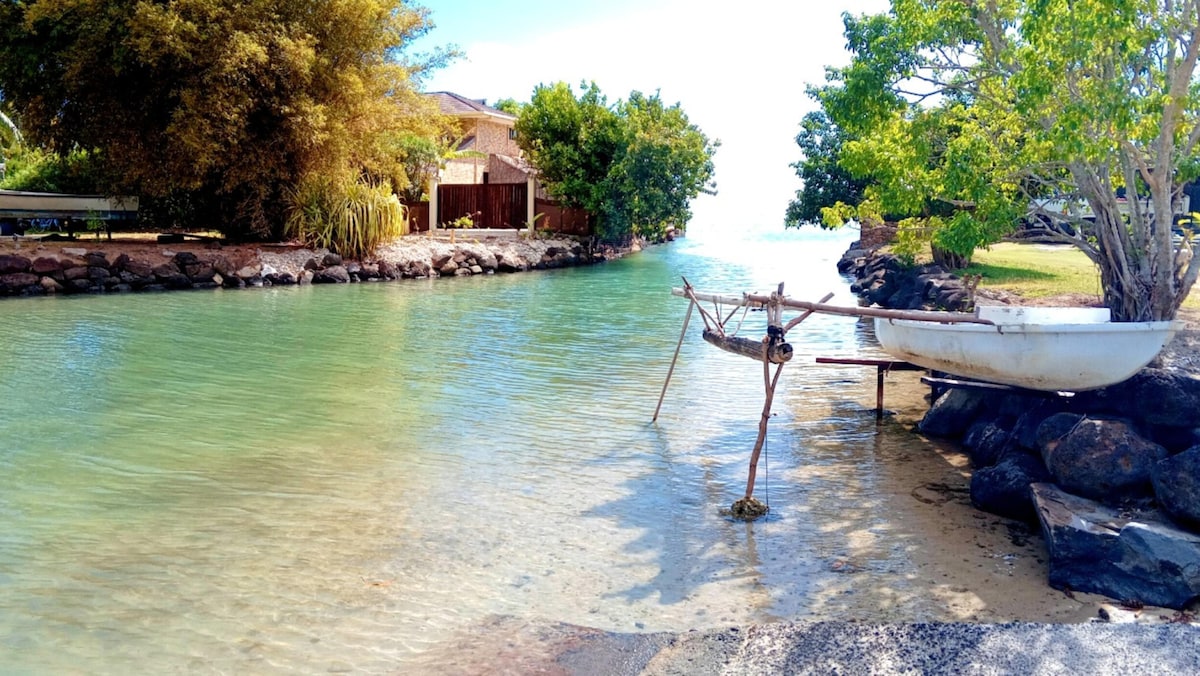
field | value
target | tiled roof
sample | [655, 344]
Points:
[453, 104]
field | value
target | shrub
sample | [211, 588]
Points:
[349, 216]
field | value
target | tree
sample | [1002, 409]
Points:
[634, 165]
[509, 105]
[987, 107]
[825, 181]
[217, 105]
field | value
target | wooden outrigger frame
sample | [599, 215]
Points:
[773, 349]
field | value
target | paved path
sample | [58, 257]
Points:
[861, 648]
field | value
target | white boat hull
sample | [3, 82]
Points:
[1037, 356]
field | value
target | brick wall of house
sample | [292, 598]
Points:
[492, 137]
[500, 171]
[466, 170]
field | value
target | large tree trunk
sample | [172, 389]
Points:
[948, 259]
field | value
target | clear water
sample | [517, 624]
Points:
[339, 478]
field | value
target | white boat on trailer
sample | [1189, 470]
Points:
[1046, 349]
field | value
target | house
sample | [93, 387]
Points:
[488, 150]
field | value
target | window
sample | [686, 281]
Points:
[485, 178]
[512, 134]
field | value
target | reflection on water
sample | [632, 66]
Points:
[340, 477]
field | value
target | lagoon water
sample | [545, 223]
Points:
[345, 478]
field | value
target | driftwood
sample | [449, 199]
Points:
[776, 353]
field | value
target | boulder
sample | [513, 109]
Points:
[1025, 429]
[418, 269]
[165, 271]
[176, 281]
[986, 442]
[184, 259]
[224, 267]
[44, 265]
[11, 264]
[1155, 396]
[17, 282]
[248, 272]
[331, 260]
[952, 414]
[1129, 556]
[203, 274]
[336, 274]
[1003, 488]
[75, 273]
[140, 269]
[387, 270]
[1177, 486]
[51, 286]
[511, 262]
[1098, 458]
[95, 259]
[281, 279]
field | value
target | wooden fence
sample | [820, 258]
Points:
[418, 216]
[560, 219]
[498, 205]
[493, 205]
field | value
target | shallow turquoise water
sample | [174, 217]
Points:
[341, 477]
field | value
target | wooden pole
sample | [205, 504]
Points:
[769, 384]
[808, 313]
[686, 319]
[759, 301]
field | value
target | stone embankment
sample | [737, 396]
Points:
[884, 280]
[1112, 475]
[80, 270]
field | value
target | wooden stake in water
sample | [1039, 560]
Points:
[686, 319]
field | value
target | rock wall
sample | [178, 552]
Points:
[78, 270]
[884, 280]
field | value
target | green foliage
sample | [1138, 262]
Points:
[958, 114]
[421, 157]
[348, 215]
[232, 103]
[825, 182]
[464, 221]
[40, 171]
[634, 165]
[510, 106]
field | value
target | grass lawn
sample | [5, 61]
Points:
[1037, 270]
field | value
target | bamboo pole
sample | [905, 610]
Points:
[682, 333]
[760, 301]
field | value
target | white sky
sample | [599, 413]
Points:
[739, 71]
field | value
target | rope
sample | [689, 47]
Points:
[767, 471]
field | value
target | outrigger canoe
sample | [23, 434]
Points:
[1047, 349]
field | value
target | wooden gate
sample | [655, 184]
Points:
[491, 205]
